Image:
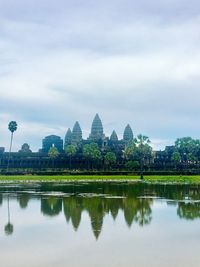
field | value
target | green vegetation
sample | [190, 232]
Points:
[110, 158]
[70, 150]
[92, 153]
[148, 178]
[139, 151]
[53, 154]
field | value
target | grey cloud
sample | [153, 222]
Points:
[130, 61]
[118, 7]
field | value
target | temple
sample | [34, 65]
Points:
[75, 152]
[128, 134]
[73, 137]
[76, 134]
[96, 129]
[52, 140]
[96, 135]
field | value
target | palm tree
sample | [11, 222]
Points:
[92, 153]
[53, 154]
[12, 126]
[70, 150]
[110, 159]
[143, 150]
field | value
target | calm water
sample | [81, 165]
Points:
[99, 224]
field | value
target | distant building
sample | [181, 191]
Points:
[97, 136]
[68, 137]
[2, 150]
[96, 129]
[25, 158]
[114, 137]
[128, 134]
[52, 140]
[76, 136]
[25, 148]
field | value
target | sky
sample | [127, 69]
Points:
[135, 62]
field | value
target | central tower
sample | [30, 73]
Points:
[96, 129]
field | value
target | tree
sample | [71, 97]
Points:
[138, 150]
[53, 154]
[132, 165]
[185, 145]
[110, 158]
[12, 126]
[70, 150]
[189, 149]
[143, 151]
[176, 157]
[91, 152]
[191, 158]
[129, 150]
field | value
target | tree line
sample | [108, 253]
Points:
[136, 154]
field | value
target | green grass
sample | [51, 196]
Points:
[66, 177]
[153, 178]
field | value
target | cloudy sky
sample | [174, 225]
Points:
[134, 62]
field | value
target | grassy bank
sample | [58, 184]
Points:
[152, 178]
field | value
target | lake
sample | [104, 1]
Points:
[99, 224]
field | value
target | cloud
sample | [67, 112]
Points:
[131, 62]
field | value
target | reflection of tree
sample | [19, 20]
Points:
[144, 211]
[188, 211]
[23, 200]
[1, 199]
[138, 210]
[8, 227]
[51, 206]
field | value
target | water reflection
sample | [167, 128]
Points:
[23, 200]
[100, 199]
[189, 211]
[9, 226]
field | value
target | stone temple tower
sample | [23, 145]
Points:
[76, 134]
[96, 129]
[68, 137]
[128, 134]
[114, 137]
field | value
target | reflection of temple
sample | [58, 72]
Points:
[101, 199]
[135, 209]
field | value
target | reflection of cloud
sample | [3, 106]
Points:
[134, 62]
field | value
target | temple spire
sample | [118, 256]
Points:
[114, 136]
[128, 134]
[96, 129]
[68, 137]
[76, 133]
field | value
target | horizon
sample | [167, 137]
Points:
[85, 136]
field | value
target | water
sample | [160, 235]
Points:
[99, 224]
